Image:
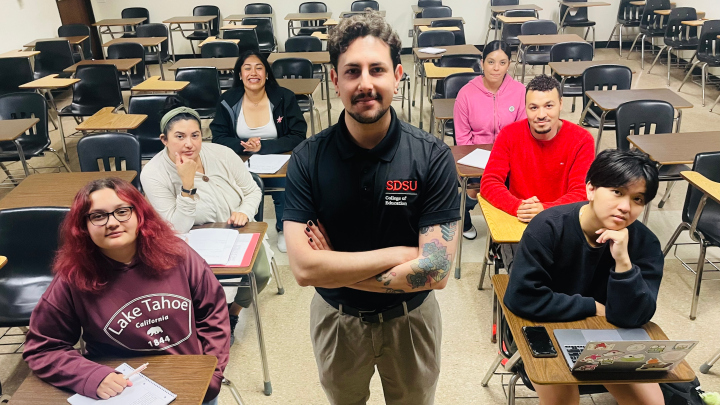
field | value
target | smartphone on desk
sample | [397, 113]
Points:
[539, 341]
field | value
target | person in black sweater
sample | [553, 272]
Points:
[592, 258]
[259, 116]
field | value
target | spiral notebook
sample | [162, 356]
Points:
[143, 392]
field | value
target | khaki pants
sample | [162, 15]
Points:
[405, 350]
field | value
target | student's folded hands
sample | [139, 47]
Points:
[252, 145]
[317, 236]
[529, 208]
[112, 385]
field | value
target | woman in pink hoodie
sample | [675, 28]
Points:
[484, 106]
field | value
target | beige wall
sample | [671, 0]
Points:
[26, 20]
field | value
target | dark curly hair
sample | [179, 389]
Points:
[358, 26]
[544, 83]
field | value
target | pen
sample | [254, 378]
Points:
[137, 370]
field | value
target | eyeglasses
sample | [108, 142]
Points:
[122, 214]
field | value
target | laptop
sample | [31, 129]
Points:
[614, 350]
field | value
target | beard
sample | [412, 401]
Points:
[373, 118]
[543, 131]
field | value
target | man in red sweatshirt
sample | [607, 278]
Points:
[538, 162]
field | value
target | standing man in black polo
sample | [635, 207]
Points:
[371, 222]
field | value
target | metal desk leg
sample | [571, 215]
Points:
[160, 62]
[22, 156]
[524, 63]
[60, 127]
[422, 93]
[497, 332]
[679, 121]
[600, 130]
[463, 192]
[327, 93]
[562, 21]
[172, 43]
[312, 114]
[267, 387]
[486, 259]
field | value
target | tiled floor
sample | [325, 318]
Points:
[467, 351]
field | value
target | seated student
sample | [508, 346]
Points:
[118, 256]
[259, 116]
[193, 183]
[543, 159]
[484, 107]
[591, 258]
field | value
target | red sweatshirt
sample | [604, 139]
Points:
[553, 170]
[181, 312]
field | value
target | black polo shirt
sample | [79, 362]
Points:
[372, 199]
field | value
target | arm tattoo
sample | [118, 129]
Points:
[394, 291]
[434, 265]
[448, 230]
[425, 230]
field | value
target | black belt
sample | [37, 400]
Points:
[380, 316]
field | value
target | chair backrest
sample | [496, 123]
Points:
[504, 2]
[707, 164]
[678, 31]
[628, 12]
[571, 51]
[15, 71]
[29, 240]
[642, 117]
[248, 38]
[303, 44]
[459, 35]
[209, 10]
[361, 5]
[709, 44]
[72, 30]
[651, 20]
[462, 60]
[220, 49]
[99, 86]
[538, 27]
[135, 12]
[605, 77]
[203, 92]
[154, 30]
[511, 31]
[148, 133]
[54, 57]
[263, 29]
[436, 38]
[312, 7]
[436, 12]
[123, 149]
[129, 50]
[258, 8]
[292, 68]
[27, 105]
[579, 14]
[429, 3]
[261, 207]
[456, 81]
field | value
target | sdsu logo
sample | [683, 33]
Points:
[400, 192]
[397, 185]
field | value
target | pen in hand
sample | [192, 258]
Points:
[137, 370]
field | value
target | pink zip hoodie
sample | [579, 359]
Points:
[479, 115]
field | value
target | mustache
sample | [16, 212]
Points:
[372, 95]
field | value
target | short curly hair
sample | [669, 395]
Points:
[544, 83]
[361, 25]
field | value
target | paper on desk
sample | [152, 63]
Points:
[242, 250]
[144, 391]
[266, 164]
[213, 244]
[432, 50]
[476, 158]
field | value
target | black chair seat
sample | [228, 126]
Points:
[308, 31]
[628, 23]
[713, 60]
[708, 223]
[536, 58]
[129, 35]
[579, 24]
[8, 150]
[303, 102]
[80, 110]
[134, 80]
[653, 32]
[671, 172]
[690, 44]
[197, 36]
[19, 294]
[595, 123]
[206, 113]
[62, 75]
[226, 81]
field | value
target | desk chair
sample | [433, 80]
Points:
[36, 140]
[361, 5]
[579, 19]
[265, 33]
[430, 39]
[436, 12]
[708, 54]
[259, 218]
[308, 44]
[494, 22]
[154, 30]
[452, 85]
[678, 36]
[628, 16]
[258, 8]
[214, 24]
[536, 55]
[651, 25]
[148, 132]
[309, 27]
[459, 35]
[602, 77]
[248, 39]
[298, 68]
[638, 118]
[427, 3]
[123, 149]
[222, 49]
[134, 12]
[13, 73]
[571, 51]
[510, 32]
[701, 218]
[54, 57]
[72, 30]
[459, 61]
[203, 92]
[129, 50]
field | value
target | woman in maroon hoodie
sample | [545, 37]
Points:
[131, 287]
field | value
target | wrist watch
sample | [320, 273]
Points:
[192, 191]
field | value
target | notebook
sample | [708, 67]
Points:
[477, 158]
[143, 392]
[266, 164]
[432, 50]
[223, 247]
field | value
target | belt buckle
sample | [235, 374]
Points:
[362, 318]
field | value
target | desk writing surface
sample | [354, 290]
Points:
[694, 23]
[443, 108]
[106, 120]
[428, 21]
[187, 376]
[237, 27]
[459, 152]
[144, 41]
[707, 186]
[314, 57]
[433, 71]
[122, 65]
[307, 16]
[503, 227]
[114, 22]
[679, 148]
[250, 227]
[218, 63]
[449, 50]
[330, 23]
[299, 86]
[515, 20]
[216, 39]
[416, 9]
[3, 261]
[320, 35]
[345, 14]
[700, 14]
[54, 189]
[73, 40]
[49, 82]
[154, 83]
[196, 19]
[19, 54]
[502, 9]
[611, 99]
[240, 17]
[577, 4]
[577, 68]
[282, 173]
[424, 28]
[554, 370]
[532, 40]
[12, 129]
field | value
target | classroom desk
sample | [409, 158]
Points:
[187, 376]
[148, 42]
[346, 14]
[240, 17]
[117, 22]
[217, 63]
[526, 41]
[3, 261]
[216, 39]
[694, 23]
[46, 85]
[441, 109]
[665, 13]
[449, 50]
[496, 11]
[305, 87]
[19, 54]
[642, 3]
[575, 5]
[425, 28]
[154, 83]
[511, 20]
[317, 58]
[106, 120]
[282, 173]
[54, 189]
[331, 23]
[434, 72]
[122, 65]
[246, 279]
[237, 27]
[610, 100]
[75, 41]
[320, 35]
[554, 370]
[292, 17]
[464, 172]
[676, 149]
[577, 68]
[419, 22]
[178, 22]
[11, 130]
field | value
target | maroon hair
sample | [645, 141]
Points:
[79, 260]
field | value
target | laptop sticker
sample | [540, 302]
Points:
[655, 365]
[637, 347]
[656, 349]
[600, 346]
[587, 367]
[634, 358]
[673, 356]
[684, 346]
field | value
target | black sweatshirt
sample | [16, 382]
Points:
[557, 276]
[289, 121]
